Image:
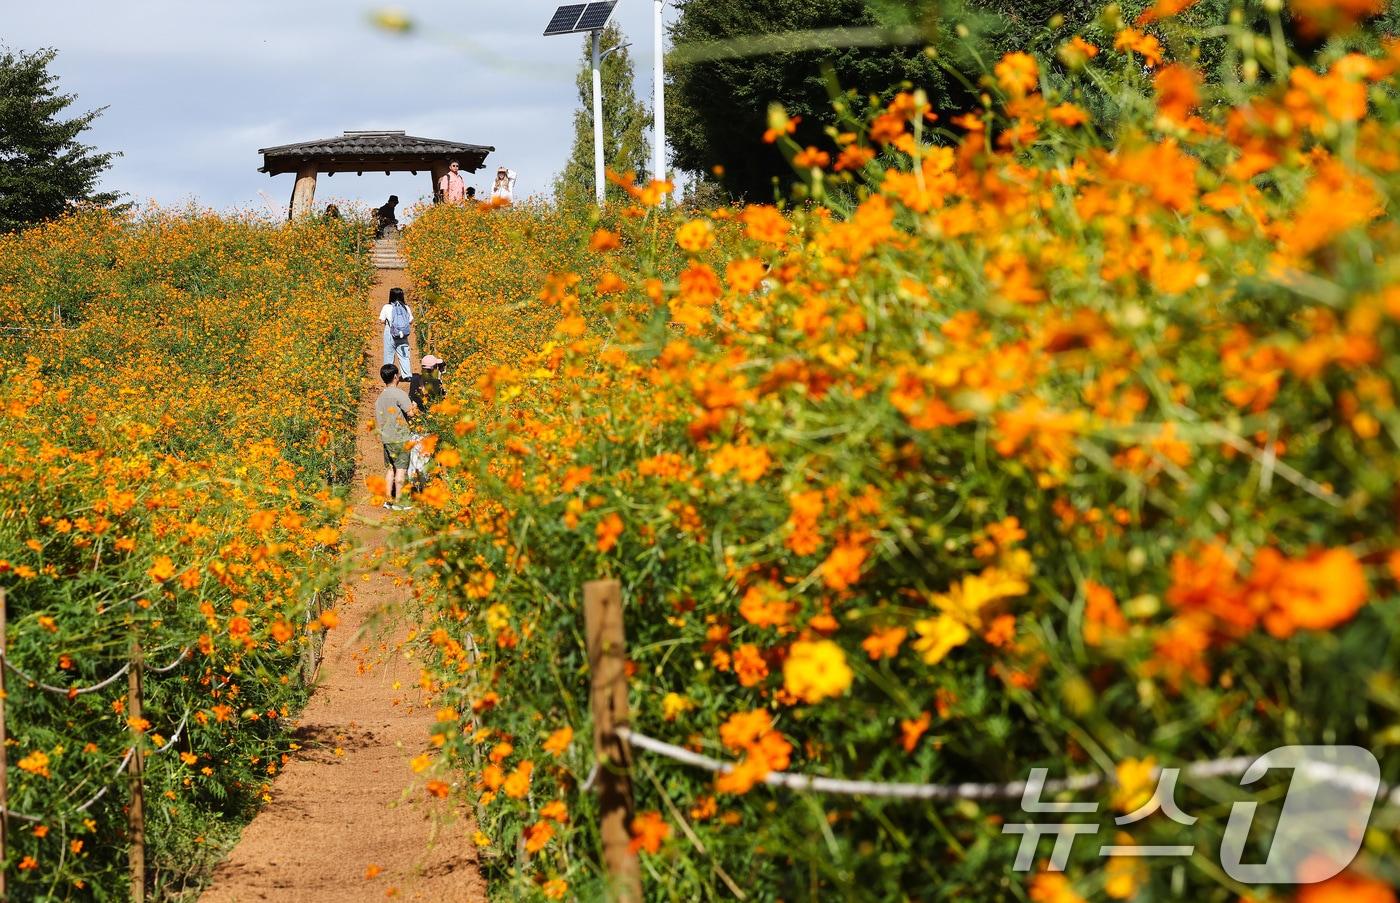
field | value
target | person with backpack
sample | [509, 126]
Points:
[451, 188]
[398, 325]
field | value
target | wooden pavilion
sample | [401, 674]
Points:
[362, 152]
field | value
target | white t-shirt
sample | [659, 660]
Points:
[386, 314]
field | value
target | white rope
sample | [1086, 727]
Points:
[1320, 771]
[67, 691]
[184, 653]
[126, 761]
[102, 685]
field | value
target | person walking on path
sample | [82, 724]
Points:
[392, 411]
[397, 318]
[425, 389]
[452, 189]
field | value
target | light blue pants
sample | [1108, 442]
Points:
[396, 354]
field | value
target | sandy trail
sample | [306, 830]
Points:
[349, 800]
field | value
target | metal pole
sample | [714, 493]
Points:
[658, 94]
[597, 119]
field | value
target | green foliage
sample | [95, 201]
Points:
[1074, 447]
[43, 166]
[716, 110]
[625, 121]
[179, 391]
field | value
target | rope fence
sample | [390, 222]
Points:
[1213, 768]
[70, 692]
[132, 763]
[614, 743]
[121, 768]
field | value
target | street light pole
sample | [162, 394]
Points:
[598, 119]
[658, 92]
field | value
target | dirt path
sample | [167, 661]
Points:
[349, 800]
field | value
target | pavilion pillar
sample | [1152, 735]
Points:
[439, 170]
[304, 192]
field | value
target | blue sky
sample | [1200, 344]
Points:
[193, 89]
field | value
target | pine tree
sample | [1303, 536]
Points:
[625, 122]
[43, 166]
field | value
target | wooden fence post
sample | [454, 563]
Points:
[137, 817]
[4, 757]
[607, 659]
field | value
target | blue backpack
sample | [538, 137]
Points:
[399, 323]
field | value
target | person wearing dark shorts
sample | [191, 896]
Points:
[392, 411]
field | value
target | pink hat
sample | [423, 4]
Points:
[431, 361]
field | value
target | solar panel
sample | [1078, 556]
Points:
[595, 17]
[564, 19]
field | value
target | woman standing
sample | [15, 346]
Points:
[398, 325]
[503, 191]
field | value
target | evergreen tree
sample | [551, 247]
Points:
[43, 166]
[625, 122]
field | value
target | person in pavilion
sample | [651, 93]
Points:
[452, 189]
[503, 191]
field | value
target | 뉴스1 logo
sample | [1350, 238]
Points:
[1322, 822]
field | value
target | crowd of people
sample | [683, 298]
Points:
[397, 408]
[407, 395]
[451, 188]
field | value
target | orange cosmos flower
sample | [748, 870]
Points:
[517, 784]
[764, 223]
[745, 274]
[787, 126]
[653, 193]
[811, 157]
[1316, 17]
[1164, 9]
[648, 831]
[1018, 73]
[749, 665]
[1318, 592]
[911, 730]
[1052, 887]
[162, 569]
[607, 531]
[537, 835]
[1101, 615]
[884, 642]
[765, 605]
[1144, 45]
[841, 569]
[1068, 115]
[696, 235]
[1346, 888]
[604, 240]
[1178, 91]
[854, 157]
[557, 742]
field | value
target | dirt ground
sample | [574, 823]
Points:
[349, 802]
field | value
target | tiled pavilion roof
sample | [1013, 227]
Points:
[372, 151]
